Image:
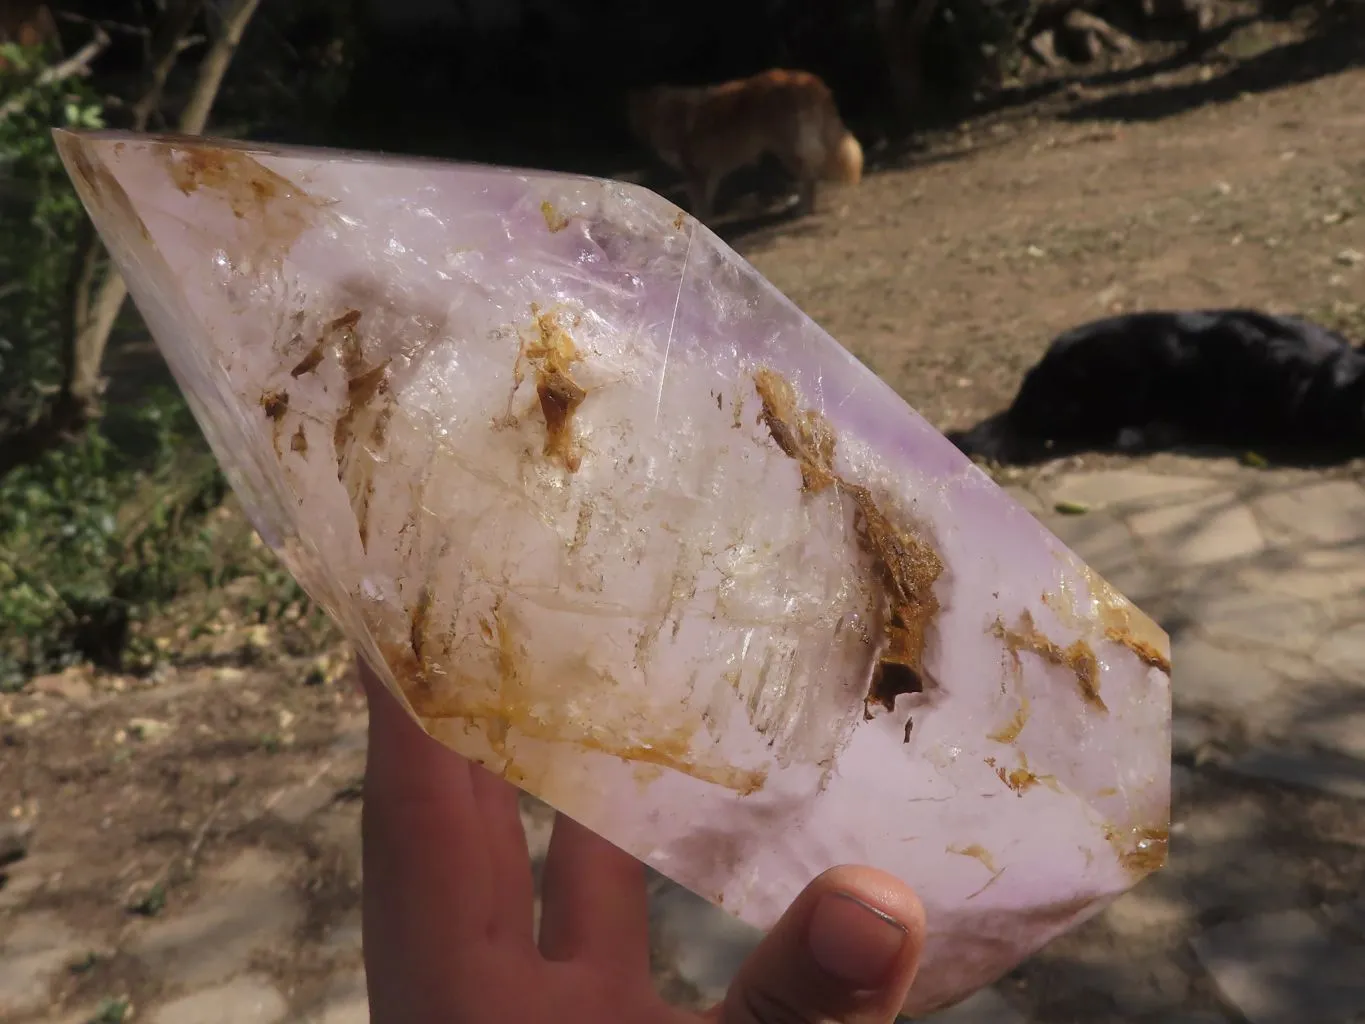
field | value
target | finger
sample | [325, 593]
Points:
[510, 860]
[593, 903]
[426, 869]
[845, 952]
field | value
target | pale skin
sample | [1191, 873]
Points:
[448, 914]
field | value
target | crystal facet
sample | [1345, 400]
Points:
[615, 518]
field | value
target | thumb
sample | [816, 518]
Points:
[845, 952]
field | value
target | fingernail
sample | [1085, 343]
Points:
[853, 941]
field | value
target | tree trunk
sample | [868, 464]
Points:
[902, 33]
[95, 318]
[167, 43]
[215, 65]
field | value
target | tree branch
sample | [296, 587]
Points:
[78, 64]
[214, 66]
[113, 27]
[85, 356]
[168, 42]
[94, 303]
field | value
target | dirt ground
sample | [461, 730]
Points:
[1238, 179]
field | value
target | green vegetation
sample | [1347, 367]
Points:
[99, 532]
[40, 218]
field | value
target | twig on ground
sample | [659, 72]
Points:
[154, 896]
[192, 854]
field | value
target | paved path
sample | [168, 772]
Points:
[1260, 917]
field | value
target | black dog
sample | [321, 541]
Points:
[1142, 381]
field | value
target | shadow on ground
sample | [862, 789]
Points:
[1335, 43]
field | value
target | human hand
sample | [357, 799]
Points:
[448, 900]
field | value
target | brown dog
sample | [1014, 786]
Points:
[707, 133]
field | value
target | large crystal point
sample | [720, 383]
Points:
[614, 518]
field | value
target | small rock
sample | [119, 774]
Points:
[1350, 257]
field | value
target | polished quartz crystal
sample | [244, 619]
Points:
[616, 519]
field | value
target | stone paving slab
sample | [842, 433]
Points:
[1349, 918]
[1330, 513]
[246, 999]
[1204, 675]
[706, 945]
[37, 947]
[1319, 770]
[251, 907]
[1343, 653]
[1202, 533]
[344, 1002]
[1245, 618]
[986, 1007]
[1129, 489]
[1285, 969]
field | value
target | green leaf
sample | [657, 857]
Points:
[153, 903]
